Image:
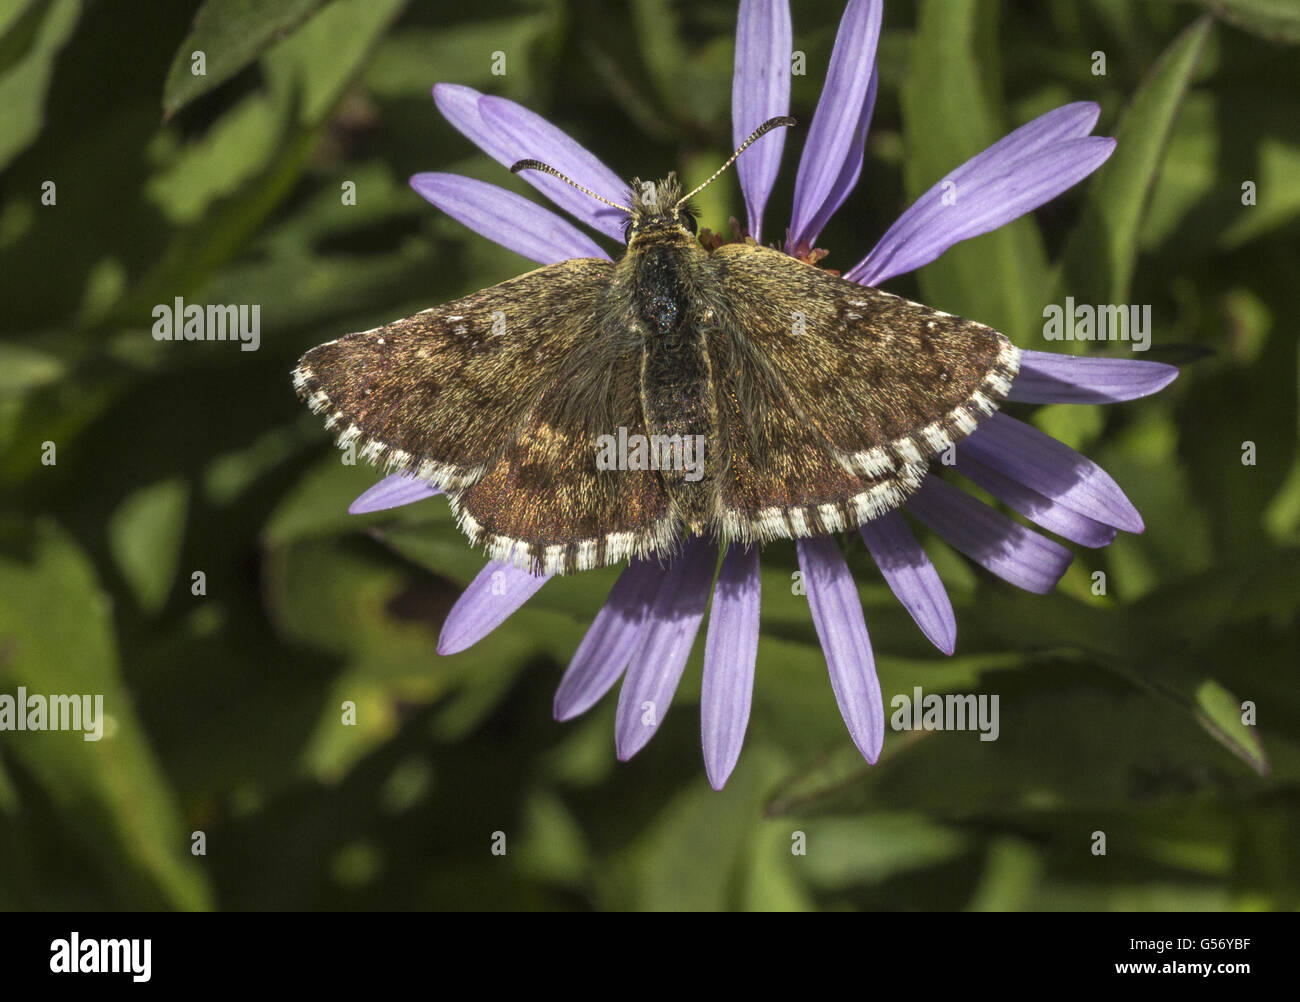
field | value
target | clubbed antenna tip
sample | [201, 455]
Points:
[759, 133]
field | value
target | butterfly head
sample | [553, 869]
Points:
[658, 206]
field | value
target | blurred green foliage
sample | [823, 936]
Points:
[1121, 713]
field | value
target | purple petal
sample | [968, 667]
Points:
[730, 652]
[528, 133]
[832, 156]
[663, 647]
[509, 132]
[392, 492]
[491, 598]
[842, 630]
[506, 218]
[1034, 506]
[981, 195]
[912, 578]
[1070, 121]
[760, 89]
[610, 640]
[1048, 378]
[1006, 548]
[1053, 469]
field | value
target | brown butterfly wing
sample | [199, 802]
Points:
[545, 504]
[779, 478]
[838, 396]
[440, 395]
[887, 382]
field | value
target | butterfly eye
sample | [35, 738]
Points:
[688, 221]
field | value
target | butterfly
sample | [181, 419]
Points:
[593, 411]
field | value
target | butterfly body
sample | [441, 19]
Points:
[669, 285]
[590, 411]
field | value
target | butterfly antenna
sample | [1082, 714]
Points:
[548, 169]
[759, 133]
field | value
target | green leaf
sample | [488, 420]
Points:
[689, 857]
[1277, 20]
[1263, 587]
[1012, 871]
[411, 60]
[45, 28]
[307, 75]
[1282, 517]
[771, 883]
[1137, 646]
[692, 80]
[230, 221]
[1236, 133]
[230, 34]
[353, 602]
[313, 68]
[1102, 253]
[23, 368]
[235, 150]
[145, 535]
[1220, 713]
[56, 633]
[853, 850]
[553, 846]
[951, 112]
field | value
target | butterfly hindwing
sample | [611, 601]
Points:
[439, 395]
[779, 478]
[889, 384]
[547, 504]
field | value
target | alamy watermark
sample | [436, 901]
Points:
[1098, 323]
[953, 711]
[192, 322]
[75, 955]
[36, 712]
[683, 453]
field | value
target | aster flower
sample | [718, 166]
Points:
[649, 623]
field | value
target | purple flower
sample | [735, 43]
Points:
[648, 625]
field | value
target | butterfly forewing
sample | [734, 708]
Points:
[888, 383]
[439, 395]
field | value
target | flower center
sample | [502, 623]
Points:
[803, 251]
